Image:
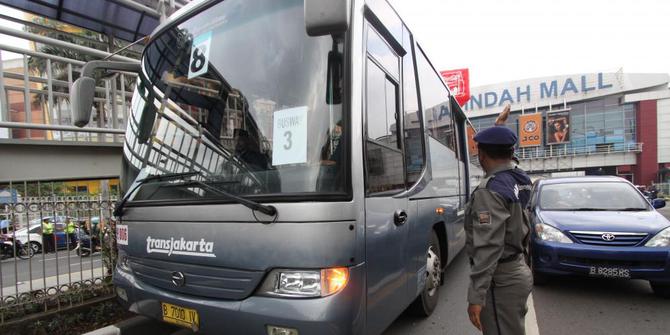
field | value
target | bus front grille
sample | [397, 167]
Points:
[200, 280]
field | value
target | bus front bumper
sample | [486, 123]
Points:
[341, 313]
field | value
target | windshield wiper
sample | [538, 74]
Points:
[588, 209]
[253, 205]
[630, 209]
[118, 210]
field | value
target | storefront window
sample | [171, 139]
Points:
[594, 126]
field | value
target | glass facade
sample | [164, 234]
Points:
[594, 126]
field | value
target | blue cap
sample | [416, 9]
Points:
[498, 135]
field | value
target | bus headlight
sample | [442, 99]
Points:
[550, 234]
[122, 261]
[661, 239]
[305, 283]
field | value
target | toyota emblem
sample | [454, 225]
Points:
[178, 279]
[608, 237]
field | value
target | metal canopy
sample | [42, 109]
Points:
[124, 19]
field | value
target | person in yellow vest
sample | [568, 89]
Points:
[69, 230]
[48, 236]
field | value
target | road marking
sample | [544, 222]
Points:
[531, 318]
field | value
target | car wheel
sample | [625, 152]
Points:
[36, 246]
[661, 289]
[425, 303]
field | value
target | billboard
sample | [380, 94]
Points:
[558, 127]
[458, 82]
[530, 130]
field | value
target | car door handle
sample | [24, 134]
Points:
[400, 217]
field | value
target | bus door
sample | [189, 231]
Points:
[387, 218]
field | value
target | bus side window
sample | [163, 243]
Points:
[383, 146]
[439, 125]
[413, 129]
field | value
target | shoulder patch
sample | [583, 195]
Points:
[484, 217]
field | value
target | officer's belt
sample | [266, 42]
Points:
[507, 259]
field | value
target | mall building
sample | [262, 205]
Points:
[592, 123]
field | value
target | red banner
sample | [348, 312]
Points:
[458, 82]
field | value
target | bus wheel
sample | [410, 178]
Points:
[425, 303]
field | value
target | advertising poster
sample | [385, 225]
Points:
[530, 130]
[558, 127]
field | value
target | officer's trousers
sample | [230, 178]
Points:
[506, 299]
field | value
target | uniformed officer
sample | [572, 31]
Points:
[70, 231]
[48, 243]
[497, 235]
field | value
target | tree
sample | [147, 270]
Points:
[59, 70]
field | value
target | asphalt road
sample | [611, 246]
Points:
[579, 306]
[41, 266]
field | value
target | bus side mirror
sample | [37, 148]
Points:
[83, 89]
[81, 98]
[658, 203]
[327, 17]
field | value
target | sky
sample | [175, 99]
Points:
[13, 41]
[505, 40]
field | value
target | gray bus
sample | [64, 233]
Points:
[289, 167]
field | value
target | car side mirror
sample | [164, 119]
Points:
[658, 203]
[83, 89]
[327, 17]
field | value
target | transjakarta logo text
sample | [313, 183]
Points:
[180, 246]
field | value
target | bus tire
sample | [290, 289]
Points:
[425, 303]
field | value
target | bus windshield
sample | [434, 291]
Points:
[242, 95]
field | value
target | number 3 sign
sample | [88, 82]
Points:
[289, 136]
[199, 55]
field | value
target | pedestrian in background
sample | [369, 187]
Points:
[497, 236]
[48, 243]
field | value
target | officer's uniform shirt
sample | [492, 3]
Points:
[497, 226]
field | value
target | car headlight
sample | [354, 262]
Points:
[661, 239]
[305, 283]
[548, 233]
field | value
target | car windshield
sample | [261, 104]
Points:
[240, 94]
[610, 196]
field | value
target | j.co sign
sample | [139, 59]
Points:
[530, 130]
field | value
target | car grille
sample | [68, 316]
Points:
[206, 281]
[620, 239]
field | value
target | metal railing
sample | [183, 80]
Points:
[34, 105]
[37, 277]
[35, 86]
[568, 151]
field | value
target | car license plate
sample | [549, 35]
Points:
[181, 316]
[609, 272]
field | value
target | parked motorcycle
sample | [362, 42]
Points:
[86, 245]
[9, 246]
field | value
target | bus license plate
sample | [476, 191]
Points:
[609, 272]
[181, 316]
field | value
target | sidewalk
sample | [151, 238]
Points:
[53, 281]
